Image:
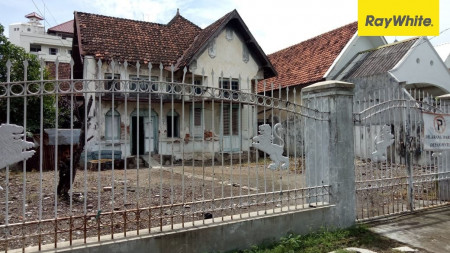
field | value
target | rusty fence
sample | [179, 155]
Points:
[148, 149]
[398, 168]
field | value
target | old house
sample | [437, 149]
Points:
[125, 53]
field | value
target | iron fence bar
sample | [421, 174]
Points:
[203, 147]
[242, 113]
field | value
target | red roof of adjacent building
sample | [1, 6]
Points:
[66, 27]
[178, 42]
[308, 61]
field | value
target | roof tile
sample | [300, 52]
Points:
[66, 27]
[308, 61]
[123, 39]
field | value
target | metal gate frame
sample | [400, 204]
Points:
[394, 174]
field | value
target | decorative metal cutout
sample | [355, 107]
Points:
[12, 146]
[212, 48]
[264, 142]
[382, 142]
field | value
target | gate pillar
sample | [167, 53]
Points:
[337, 162]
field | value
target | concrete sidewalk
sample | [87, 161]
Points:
[429, 229]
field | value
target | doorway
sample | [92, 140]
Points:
[137, 139]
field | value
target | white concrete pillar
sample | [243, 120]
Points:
[336, 167]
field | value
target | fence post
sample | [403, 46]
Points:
[336, 98]
[444, 159]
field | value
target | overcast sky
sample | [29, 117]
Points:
[276, 24]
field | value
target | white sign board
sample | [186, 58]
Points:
[437, 131]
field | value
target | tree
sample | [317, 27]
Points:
[17, 56]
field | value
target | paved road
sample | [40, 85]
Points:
[429, 230]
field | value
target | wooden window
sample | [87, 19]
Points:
[230, 120]
[110, 80]
[228, 84]
[142, 81]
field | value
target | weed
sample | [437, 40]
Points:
[328, 240]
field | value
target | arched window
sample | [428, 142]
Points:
[173, 124]
[112, 125]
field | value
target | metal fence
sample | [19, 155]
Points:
[394, 172]
[152, 153]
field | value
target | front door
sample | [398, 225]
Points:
[137, 139]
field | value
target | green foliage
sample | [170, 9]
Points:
[17, 56]
[326, 241]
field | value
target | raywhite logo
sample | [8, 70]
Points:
[398, 20]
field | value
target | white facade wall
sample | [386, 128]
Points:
[422, 65]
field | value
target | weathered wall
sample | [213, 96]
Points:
[216, 237]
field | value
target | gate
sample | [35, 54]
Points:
[394, 173]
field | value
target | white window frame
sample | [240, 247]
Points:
[110, 116]
[139, 79]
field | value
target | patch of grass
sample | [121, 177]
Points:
[328, 240]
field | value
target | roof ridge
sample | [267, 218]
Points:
[129, 19]
[389, 45]
[315, 37]
[182, 17]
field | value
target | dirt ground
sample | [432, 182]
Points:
[150, 197]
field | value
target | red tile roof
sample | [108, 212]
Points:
[179, 42]
[121, 39]
[66, 27]
[308, 61]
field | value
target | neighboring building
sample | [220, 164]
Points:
[57, 42]
[388, 72]
[413, 62]
[226, 45]
[444, 52]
